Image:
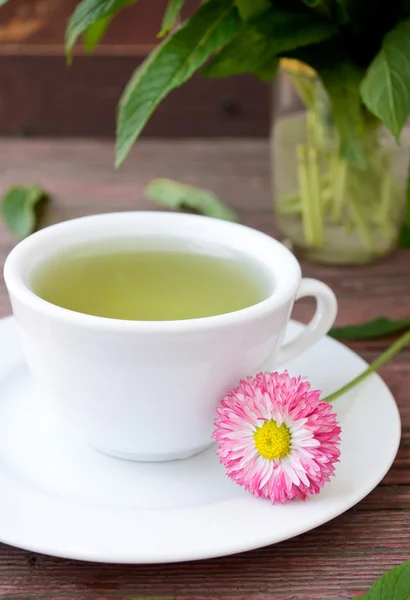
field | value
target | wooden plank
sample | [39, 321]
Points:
[41, 96]
[43, 22]
[338, 560]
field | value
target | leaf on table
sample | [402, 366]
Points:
[370, 330]
[393, 585]
[172, 63]
[95, 33]
[18, 207]
[386, 86]
[256, 46]
[175, 195]
[404, 235]
[249, 9]
[86, 13]
[172, 11]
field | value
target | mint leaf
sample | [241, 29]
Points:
[267, 71]
[18, 207]
[342, 84]
[171, 14]
[256, 46]
[393, 585]
[342, 12]
[172, 63]
[95, 33]
[404, 236]
[87, 13]
[248, 52]
[174, 195]
[386, 86]
[248, 9]
[370, 330]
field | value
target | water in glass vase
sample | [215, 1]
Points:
[327, 209]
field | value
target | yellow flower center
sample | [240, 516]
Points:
[272, 441]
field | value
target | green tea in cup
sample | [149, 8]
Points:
[151, 284]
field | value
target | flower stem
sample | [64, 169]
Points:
[379, 362]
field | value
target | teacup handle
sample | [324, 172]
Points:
[321, 322]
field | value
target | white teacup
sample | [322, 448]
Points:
[148, 390]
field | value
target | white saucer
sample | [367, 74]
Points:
[62, 498]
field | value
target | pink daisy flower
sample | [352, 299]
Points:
[277, 438]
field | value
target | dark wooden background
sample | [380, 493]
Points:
[41, 96]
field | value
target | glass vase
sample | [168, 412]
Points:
[327, 210]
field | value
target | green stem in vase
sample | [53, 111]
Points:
[311, 128]
[289, 205]
[338, 173]
[304, 188]
[360, 221]
[331, 207]
[315, 196]
[398, 345]
[385, 195]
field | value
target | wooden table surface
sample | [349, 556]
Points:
[339, 560]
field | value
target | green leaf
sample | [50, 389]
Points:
[249, 51]
[174, 7]
[275, 32]
[342, 83]
[249, 9]
[95, 33]
[267, 71]
[18, 209]
[404, 236]
[174, 195]
[405, 8]
[393, 585]
[87, 13]
[370, 330]
[386, 86]
[172, 63]
[342, 12]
